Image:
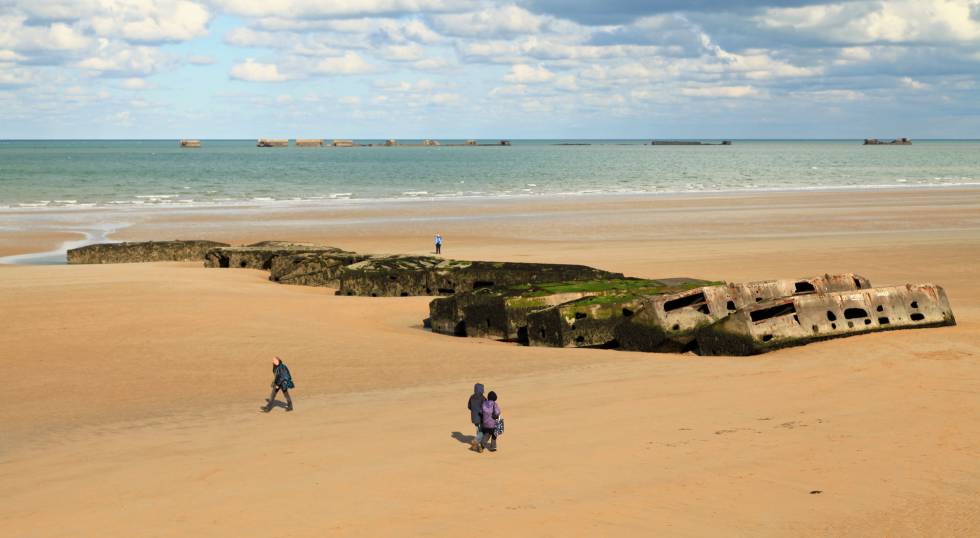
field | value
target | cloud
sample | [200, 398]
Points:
[253, 71]
[137, 84]
[339, 8]
[116, 60]
[624, 11]
[913, 84]
[894, 21]
[151, 22]
[508, 20]
[720, 91]
[16, 35]
[526, 74]
[14, 77]
[137, 21]
[350, 63]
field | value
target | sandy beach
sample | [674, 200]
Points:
[134, 389]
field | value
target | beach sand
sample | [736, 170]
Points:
[133, 390]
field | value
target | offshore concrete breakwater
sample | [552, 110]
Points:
[561, 305]
[346, 143]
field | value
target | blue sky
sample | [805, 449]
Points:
[475, 69]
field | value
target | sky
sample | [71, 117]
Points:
[377, 69]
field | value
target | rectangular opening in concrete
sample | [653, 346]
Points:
[804, 287]
[694, 300]
[784, 309]
[855, 313]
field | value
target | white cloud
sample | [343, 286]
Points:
[16, 35]
[117, 60]
[339, 8]
[499, 21]
[136, 83]
[830, 95]
[720, 91]
[253, 71]
[894, 21]
[410, 52]
[11, 76]
[153, 21]
[526, 74]
[913, 84]
[350, 63]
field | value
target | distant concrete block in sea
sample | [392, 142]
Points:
[272, 143]
[896, 142]
[343, 143]
[190, 143]
[309, 143]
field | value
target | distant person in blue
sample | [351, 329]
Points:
[283, 381]
[438, 244]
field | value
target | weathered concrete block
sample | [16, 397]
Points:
[312, 268]
[669, 322]
[259, 255]
[427, 275]
[802, 319]
[144, 251]
[592, 319]
[501, 312]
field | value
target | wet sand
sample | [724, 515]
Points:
[139, 411]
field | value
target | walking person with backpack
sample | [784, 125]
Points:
[438, 241]
[491, 424]
[475, 404]
[283, 381]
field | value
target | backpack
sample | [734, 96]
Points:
[487, 412]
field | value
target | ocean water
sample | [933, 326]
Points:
[135, 173]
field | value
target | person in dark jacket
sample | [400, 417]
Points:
[283, 381]
[474, 404]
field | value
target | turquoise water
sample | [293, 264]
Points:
[42, 174]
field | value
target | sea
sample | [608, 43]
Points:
[61, 174]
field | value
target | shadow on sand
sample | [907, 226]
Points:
[465, 439]
[277, 403]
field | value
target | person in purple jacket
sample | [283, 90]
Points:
[489, 413]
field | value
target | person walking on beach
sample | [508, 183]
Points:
[475, 405]
[438, 243]
[283, 381]
[490, 426]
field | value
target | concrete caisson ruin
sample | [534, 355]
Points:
[895, 142]
[394, 276]
[669, 323]
[802, 319]
[591, 320]
[503, 312]
[272, 143]
[321, 268]
[259, 255]
[144, 251]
